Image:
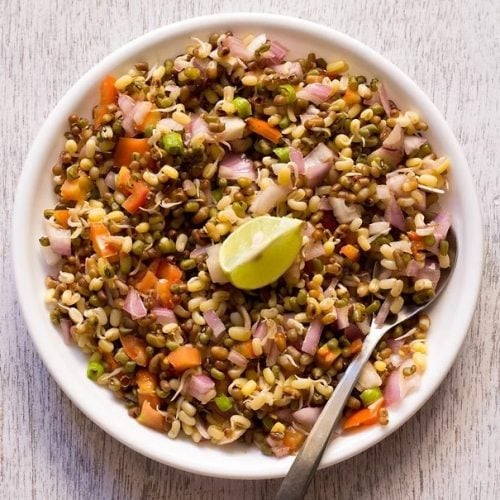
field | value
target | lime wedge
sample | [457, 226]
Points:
[260, 251]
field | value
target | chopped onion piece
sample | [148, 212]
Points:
[216, 273]
[288, 69]
[237, 166]
[164, 315]
[237, 358]
[315, 92]
[269, 198]
[369, 377]
[134, 305]
[412, 143]
[201, 388]
[306, 417]
[342, 317]
[317, 164]
[215, 323]
[60, 239]
[311, 340]
[342, 212]
[234, 128]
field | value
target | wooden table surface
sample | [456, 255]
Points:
[450, 450]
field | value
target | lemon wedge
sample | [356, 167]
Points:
[260, 251]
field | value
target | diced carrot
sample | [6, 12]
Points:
[245, 349]
[126, 147]
[147, 282]
[351, 252]
[123, 180]
[184, 357]
[137, 198]
[76, 189]
[101, 240]
[146, 387]
[326, 356]
[351, 97]
[151, 119]
[263, 129]
[107, 90]
[61, 217]
[293, 439]
[366, 416]
[151, 417]
[167, 270]
[135, 349]
[356, 346]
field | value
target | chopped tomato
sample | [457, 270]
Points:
[351, 252]
[123, 180]
[135, 349]
[293, 439]
[76, 189]
[126, 147]
[245, 349]
[146, 387]
[147, 282]
[184, 357]
[265, 130]
[351, 97]
[366, 416]
[137, 198]
[151, 417]
[61, 217]
[102, 242]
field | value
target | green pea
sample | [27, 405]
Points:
[223, 402]
[283, 154]
[369, 396]
[172, 142]
[94, 370]
[243, 107]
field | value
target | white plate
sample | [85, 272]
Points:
[450, 317]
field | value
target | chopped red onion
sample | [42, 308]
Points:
[275, 54]
[391, 151]
[288, 69]
[394, 215]
[297, 158]
[315, 92]
[197, 126]
[198, 252]
[237, 48]
[395, 183]
[109, 180]
[369, 377]
[235, 166]
[273, 354]
[330, 290]
[201, 388]
[234, 128]
[429, 271]
[384, 311]
[164, 315]
[60, 239]
[306, 417]
[383, 192]
[127, 105]
[392, 389]
[312, 250]
[269, 198]
[259, 330]
[324, 204]
[134, 305]
[311, 340]
[378, 227]
[343, 213]
[256, 43]
[443, 224]
[215, 323]
[237, 358]
[141, 109]
[412, 143]
[342, 317]
[281, 451]
[317, 164]
[169, 124]
[216, 273]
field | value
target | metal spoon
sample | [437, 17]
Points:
[295, 484]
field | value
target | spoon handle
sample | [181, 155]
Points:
[304, 466]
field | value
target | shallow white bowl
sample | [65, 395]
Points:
[450, 316]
